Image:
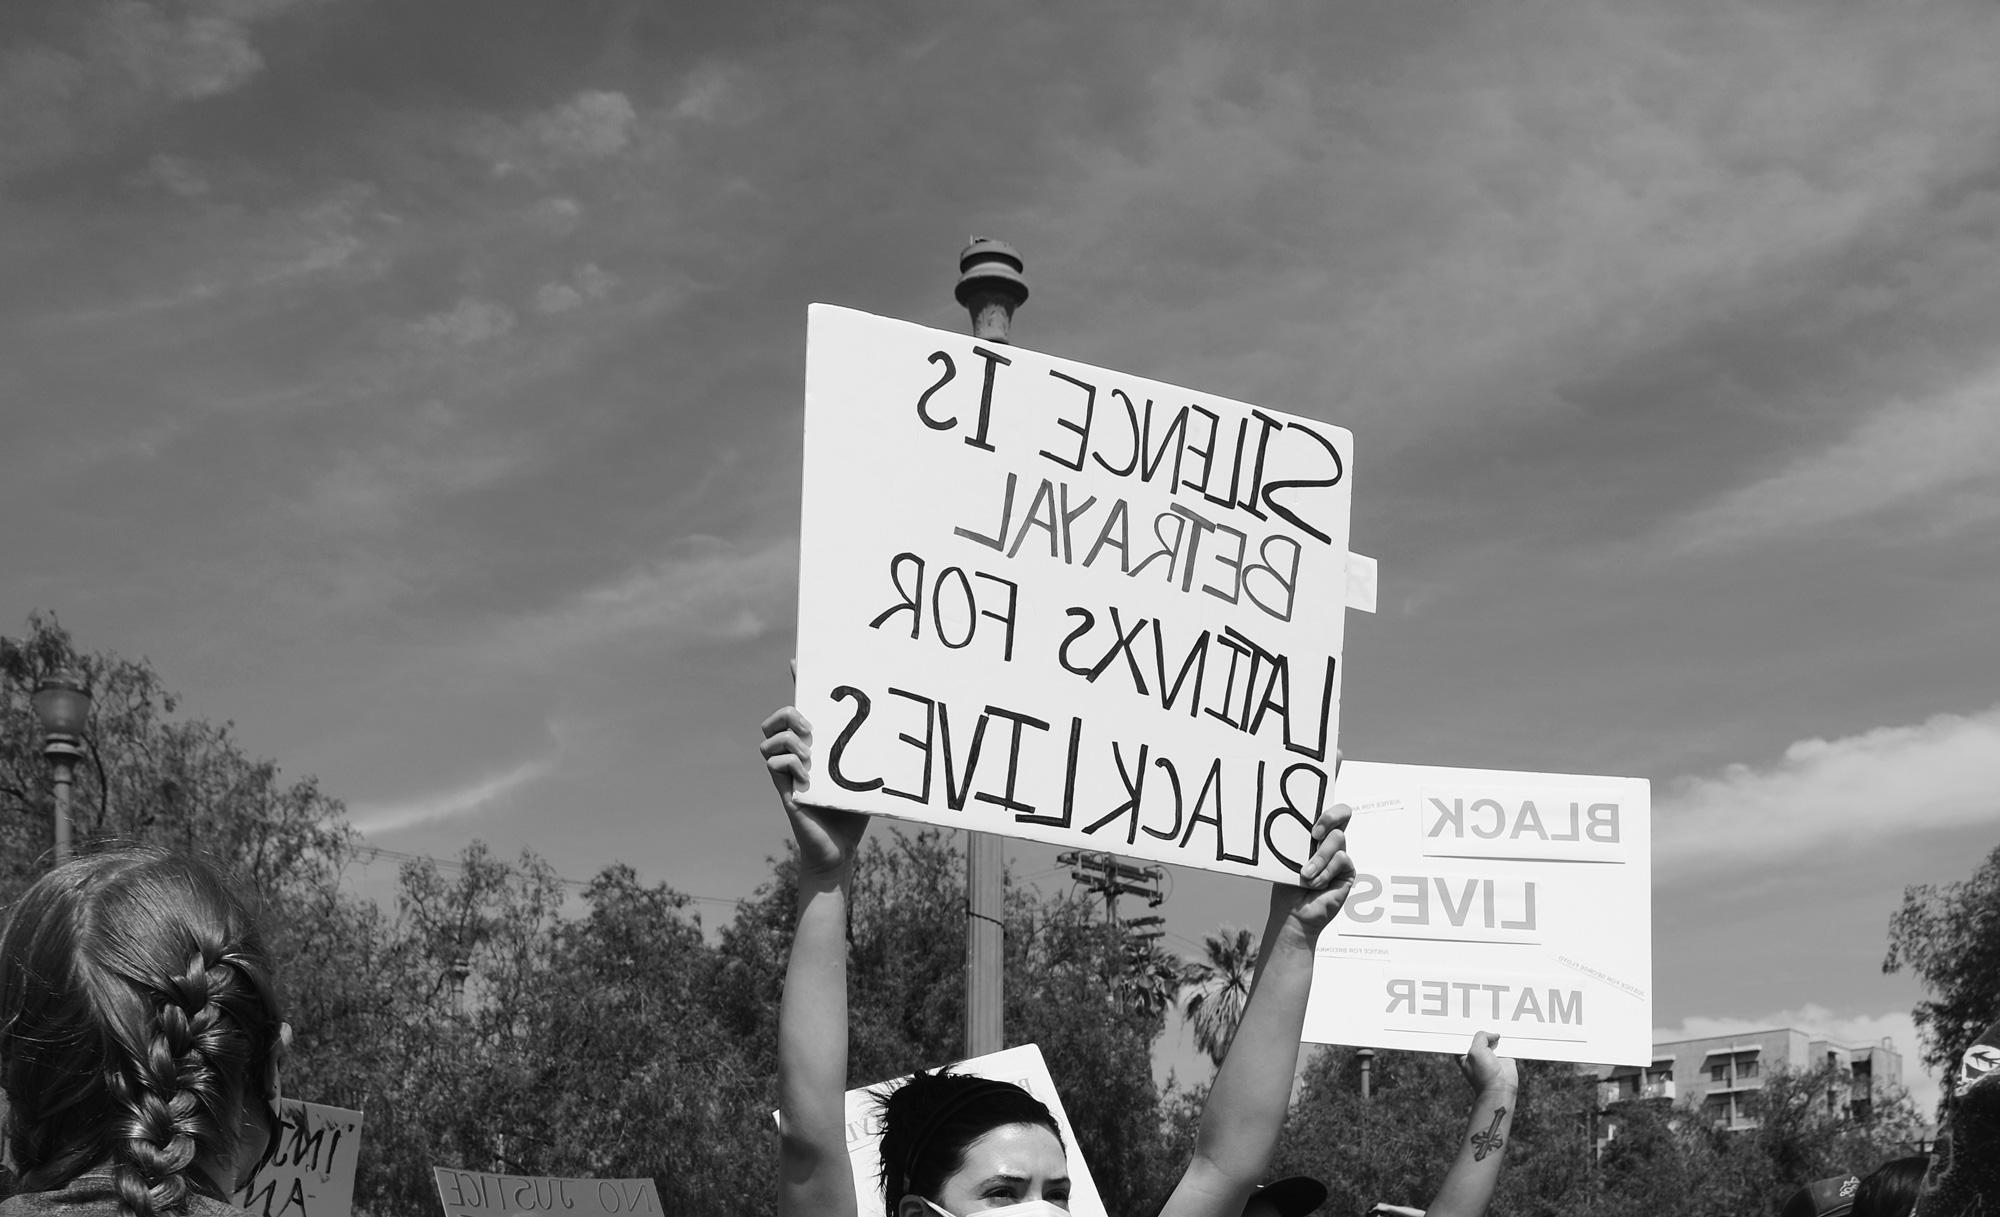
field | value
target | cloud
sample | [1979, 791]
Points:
[482, 795]
[1535, 196]
[472, 320]
[1908, 452]
[197, 55]
[590, 282]
[558, 215]
[178, 175]
[1938, 774]
[1849, 1030]
[705, 588]
[594, 125]
[104, 67]
[432, 454]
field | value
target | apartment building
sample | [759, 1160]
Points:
[1718, 1075]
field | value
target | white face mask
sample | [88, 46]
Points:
[1027, 1208]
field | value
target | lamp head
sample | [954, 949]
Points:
[62, 705]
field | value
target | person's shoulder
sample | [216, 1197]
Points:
[70, 1201]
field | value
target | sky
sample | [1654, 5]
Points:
[418, 386]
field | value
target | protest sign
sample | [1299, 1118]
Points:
[484, 1194]
[1021, 1065]
[1490, 900]
[1052, 601]
[312, 1172]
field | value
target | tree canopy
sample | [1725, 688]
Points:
[1949, 935]
[501, 1018]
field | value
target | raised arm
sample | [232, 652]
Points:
[814, 1175]
[1253, 1089]
[1496, 1083]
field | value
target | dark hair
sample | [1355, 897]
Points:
[1890, 1190]
[930, 1120]
[137, 1021]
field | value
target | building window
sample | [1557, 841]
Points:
[1718, 1073]
[1746, 1069]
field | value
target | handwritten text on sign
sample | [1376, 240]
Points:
[482, 1194]
[1053, 601]
[1490, 900]
[312, 1172]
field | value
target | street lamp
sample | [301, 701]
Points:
[990, 286]
[62, 703]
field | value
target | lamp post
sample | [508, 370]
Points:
[990, 287]
[62, 703]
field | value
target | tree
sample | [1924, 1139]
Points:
[148, 776]
[1219, 988]
[1950, 937]
[151, 775]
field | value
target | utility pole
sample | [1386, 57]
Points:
[991, 287]
[1104, 875]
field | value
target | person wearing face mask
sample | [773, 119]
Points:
[966, 1147]
[140, 1035]
[972, 1143]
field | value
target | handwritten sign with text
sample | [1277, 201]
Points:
[312, 1172]
[483, 1194]
[1052, 601]
[1490, 900]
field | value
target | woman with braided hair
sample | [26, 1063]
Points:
[139, 1040]
[956, 1146]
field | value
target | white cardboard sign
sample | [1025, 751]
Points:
[483, 1194]
[1021, 1065]
[1057, 602]
[312, 1172]
[1491, 900]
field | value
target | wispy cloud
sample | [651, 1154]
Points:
[1934, 775]
[1850, 1030]
[705, 588]
[471, 320]
[483, 795]
[589, 282]
[594, 125]
[432, 454]
[104, 65]
[1907, 453]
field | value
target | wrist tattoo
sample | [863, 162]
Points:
[1489, 1140]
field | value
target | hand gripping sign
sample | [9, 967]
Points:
[1052, 601]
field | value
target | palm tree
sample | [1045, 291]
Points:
[1218, 989]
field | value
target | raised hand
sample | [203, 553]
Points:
[827, 838]
[1486, 1071]
[1325, 879]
